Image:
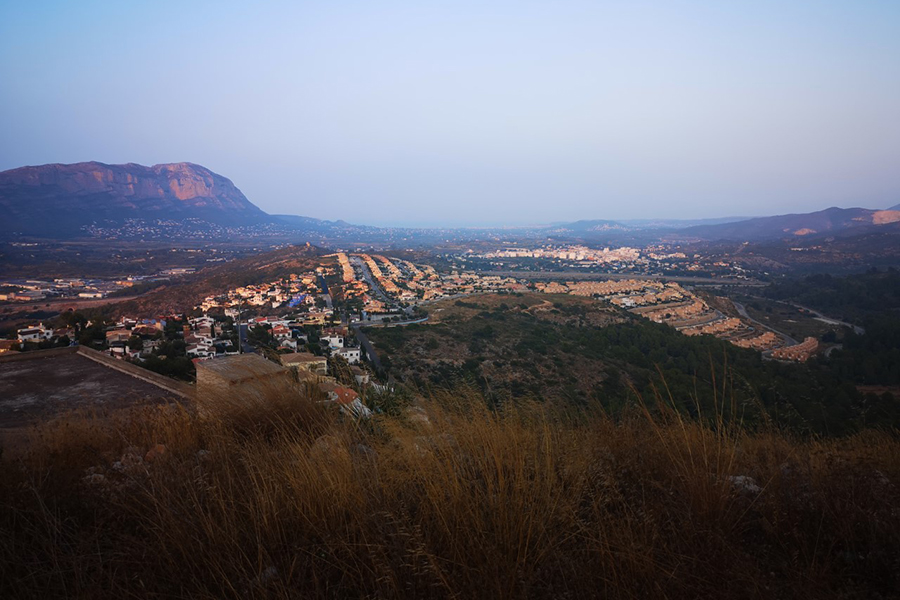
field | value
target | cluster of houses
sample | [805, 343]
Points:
[673, 305]
[652, 259]
[403, 281]
[311, 369]
[297, 291]
[762, 342]
[798, 352]
[573, 253]
[201, 341]
[289, 335]
[38, 334]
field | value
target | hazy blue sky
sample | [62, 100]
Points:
[471, 112]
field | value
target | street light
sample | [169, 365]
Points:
[240, 333]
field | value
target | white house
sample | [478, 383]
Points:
[200, 351]
[37, 333]
[334, 341]
[124, 352]
[203, 321]
[281, 332]
[288, 343]
[351, 355]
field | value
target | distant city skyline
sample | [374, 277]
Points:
[471, 113]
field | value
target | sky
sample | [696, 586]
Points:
[471, 113]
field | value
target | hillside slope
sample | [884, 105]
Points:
[829, 221]
[59, 200]
[182, 294]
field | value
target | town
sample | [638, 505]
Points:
[651, 260]
[680, 308]
[315, 317]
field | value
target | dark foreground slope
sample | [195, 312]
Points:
[279, 498]
[573, 350]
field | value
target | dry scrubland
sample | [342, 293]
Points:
[281, 498]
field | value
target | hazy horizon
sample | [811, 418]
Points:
[469, 114]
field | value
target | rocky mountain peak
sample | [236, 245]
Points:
[69, 196]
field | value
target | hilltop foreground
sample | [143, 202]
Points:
[283, 499]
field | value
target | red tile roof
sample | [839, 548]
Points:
[345, 395]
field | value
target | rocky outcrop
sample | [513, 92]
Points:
[57, 199]
[831, 221]
[883, 217]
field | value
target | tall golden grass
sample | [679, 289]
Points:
[287, 499]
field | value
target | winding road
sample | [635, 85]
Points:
[819, 316]
[743, 312]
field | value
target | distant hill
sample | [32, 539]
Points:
[895, 207]
[831, 221]
[324, 227]
[678, 223]
[589, 226]
[636, 231]
[59, 200]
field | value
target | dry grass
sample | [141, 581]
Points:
[287, 500]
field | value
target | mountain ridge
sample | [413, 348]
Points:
[62, 199]
[833, 220]
[76, 200]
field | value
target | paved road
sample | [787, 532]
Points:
[743, 312]
[370, 349]
[325, 295]
[402, 323]
[242, 338]
[367, 276]
[380, 323]
[831, 321]
[830, 349]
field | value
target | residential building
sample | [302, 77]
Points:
[351, 355]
